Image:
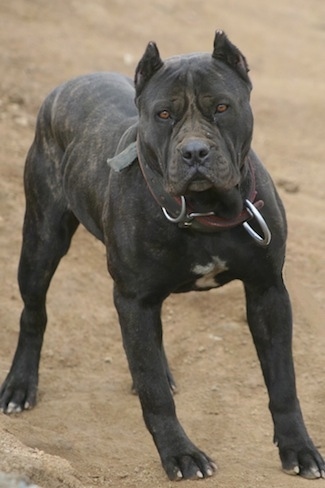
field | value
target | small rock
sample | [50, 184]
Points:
[289, 186]
[215, 337]
[16, 99]
[21, 120]
[123, 475]
[128, 59]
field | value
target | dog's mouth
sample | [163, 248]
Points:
[203, 196]
[226, 204]
[199, 185]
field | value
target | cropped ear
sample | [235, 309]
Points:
[148, 65]
[224, 50]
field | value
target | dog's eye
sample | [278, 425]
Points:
[221, 107]
[164, 115]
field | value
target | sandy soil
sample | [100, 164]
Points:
[87, 429]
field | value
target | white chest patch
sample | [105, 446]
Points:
[208, 273]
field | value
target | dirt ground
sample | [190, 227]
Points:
[87, 430]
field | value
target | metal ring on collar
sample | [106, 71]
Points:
[261, 240]
[181, 215]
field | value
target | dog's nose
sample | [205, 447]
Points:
[195, 152]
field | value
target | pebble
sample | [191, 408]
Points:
[22, 121]
[288, 186]
[128, 59]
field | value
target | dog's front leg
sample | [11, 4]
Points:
[270, 321]
[142, 338]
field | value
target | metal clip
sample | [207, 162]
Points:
[183, 218]
[266, 239]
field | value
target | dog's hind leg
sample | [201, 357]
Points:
[48, 228]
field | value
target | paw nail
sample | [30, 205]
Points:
[209, 472]
[13, 408]
[179, 475]
[199, 474]
[296, 469]
[315, 471]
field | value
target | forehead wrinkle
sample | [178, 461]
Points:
[178, 80]
[193, 77]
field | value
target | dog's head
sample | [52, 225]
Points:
[196, 123]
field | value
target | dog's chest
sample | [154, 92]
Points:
[208, 273]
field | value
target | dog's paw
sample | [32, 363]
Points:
[305, 462]
[196, 465]
[17, 395]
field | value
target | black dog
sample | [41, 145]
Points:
[172, 206]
